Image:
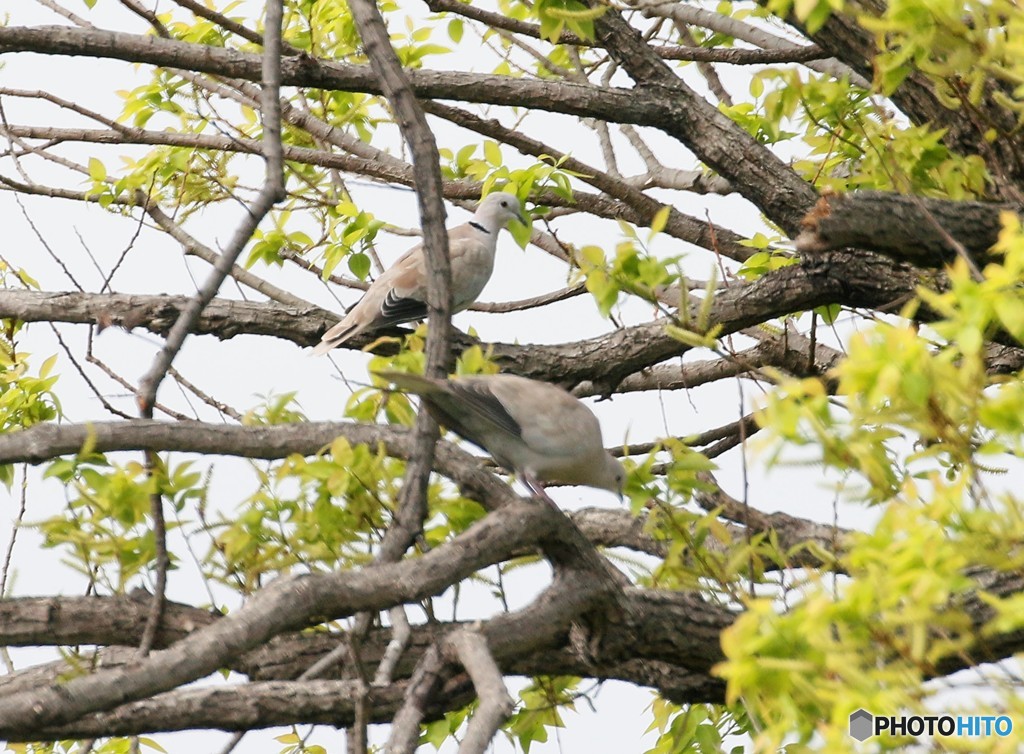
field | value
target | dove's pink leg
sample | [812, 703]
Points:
[537, 488]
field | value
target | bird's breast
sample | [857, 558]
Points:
[471, 274]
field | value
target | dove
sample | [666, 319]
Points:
[400, 294]
[538, 430]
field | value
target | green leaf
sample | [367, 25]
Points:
[359, 265]
[97, 171]
[455, 29]
[492, 153]
[27, 279]
[593, 256]
[604, 290]
[829, 313]
[660, 219]
[520, 233]
[463, 156]
[1010, 310]
[47, 366]
[817, 17]
[803, 8]
[435, 733]
[690, 338]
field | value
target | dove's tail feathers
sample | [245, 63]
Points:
[411, 383]
[435, 396]
[335, 337]
[324, 346]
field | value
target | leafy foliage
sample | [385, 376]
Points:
[922, 427]
[25, 399]
[106, 531]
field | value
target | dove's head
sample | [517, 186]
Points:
[495, 211]
[611, 476]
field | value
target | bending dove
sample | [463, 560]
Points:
[538, 430]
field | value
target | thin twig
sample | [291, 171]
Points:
[148, 15]
[85, 377]
[400, 633]
[273, 191]
[205, 397]
[495, 702]
[405, 727]
[15, 528]
[91, 358]
[407, 523]
[747, 424]
[78, 21]
[162, 558]
[224, 22]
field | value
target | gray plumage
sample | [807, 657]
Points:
[536, 429]
[400, 294]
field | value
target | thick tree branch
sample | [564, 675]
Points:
[45, 441]
[788, 350]
[288, 603]
[662, 100]
[921, 231]
[230, 708]
[756, 172]
[70, 621]
[672, 631]
[967, 130]
[223, 318]
[676, 635]
[860, 280]
[668, 665]
[569, 98]
[732, 55]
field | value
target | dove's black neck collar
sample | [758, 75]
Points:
[479, 227]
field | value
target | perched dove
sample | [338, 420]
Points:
[400, 294]
[538, 430]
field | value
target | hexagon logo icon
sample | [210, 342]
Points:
[861, 724]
